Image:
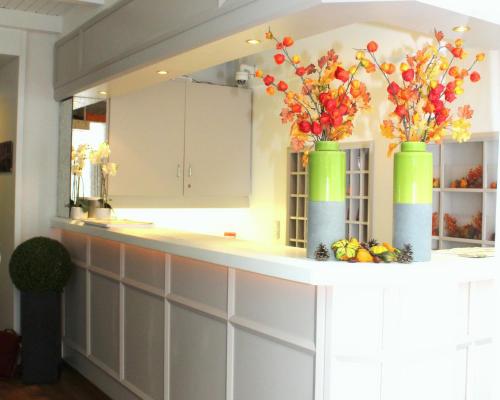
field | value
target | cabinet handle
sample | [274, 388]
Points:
[178, 170]
[190, 171]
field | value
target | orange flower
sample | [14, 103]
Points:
[475, 77]
[372, 46]
[439, 35]
[388, 68]
[270, 90]
[269, 35]
[259, 73]
[287, 41]
[454, 72]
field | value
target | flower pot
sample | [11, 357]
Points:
[41, 328]
[103, 213]
[413, 199]
[76, 213]
[326, 203]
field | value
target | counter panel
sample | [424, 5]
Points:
[164, 326]
[144, 341]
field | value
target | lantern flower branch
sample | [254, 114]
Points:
[325, 105]
[429, 83]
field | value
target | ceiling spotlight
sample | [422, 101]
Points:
[102, 92]
[461, 28]
[162, 72]
[253, 41]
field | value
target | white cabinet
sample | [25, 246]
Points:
[218, 141]
[181, 144]
[147, 141]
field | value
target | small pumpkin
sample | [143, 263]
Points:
[364, 256]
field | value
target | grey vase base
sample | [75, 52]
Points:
[325, 224]
[413, 225]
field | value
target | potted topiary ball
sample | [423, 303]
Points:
[40, 268]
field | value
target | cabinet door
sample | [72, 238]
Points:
[218, 141]
[147, 141]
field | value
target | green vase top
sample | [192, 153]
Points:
[326, 145]
[413, 146]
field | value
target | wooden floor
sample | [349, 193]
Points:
[72, 386]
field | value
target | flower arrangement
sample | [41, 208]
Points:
[100, 158]
[473, 179]
[370, 252]
[79, 157]
[472, 230]
[430, 83]
[328, 100]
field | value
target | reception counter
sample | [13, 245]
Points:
[160, 314]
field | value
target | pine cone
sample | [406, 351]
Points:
[405, 256]
[322, 253]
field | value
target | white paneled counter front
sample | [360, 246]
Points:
[159, 314]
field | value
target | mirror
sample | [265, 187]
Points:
[89, 131]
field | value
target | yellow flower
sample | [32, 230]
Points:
[404, 67]
[480, 57]
[296, 59]
[460, 130]
[360, 55]
[109, 169]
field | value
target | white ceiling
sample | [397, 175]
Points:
[48, 7]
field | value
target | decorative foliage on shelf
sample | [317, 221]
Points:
[371, 252]
[436, 183]
[79, 156]
[471, 230]
[322, 253]
[473, 179]
[430, 84]
[435, 224]
[100, 158]
[328, 100]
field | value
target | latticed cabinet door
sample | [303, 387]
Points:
[358, 205]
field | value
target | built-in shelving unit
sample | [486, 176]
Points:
[358, 207]
[452, 161]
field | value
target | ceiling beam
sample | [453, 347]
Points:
[30, 21]
[84, 2]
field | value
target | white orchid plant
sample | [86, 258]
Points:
[107, 169]
[78, 158]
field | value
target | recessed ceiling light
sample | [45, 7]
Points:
[102, 92]
[253, 41]
[461, 28]
[162, 72]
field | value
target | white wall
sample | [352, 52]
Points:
[8, 126]
[36, 145]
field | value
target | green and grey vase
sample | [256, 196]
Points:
[413, 199]
[326, 203]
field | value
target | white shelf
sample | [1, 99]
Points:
[452, 161]
[357, 200]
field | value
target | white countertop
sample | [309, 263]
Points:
[291, 263]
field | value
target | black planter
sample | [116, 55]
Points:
[41, 332]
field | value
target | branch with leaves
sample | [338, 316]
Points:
[430, 83]
[326, 104]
